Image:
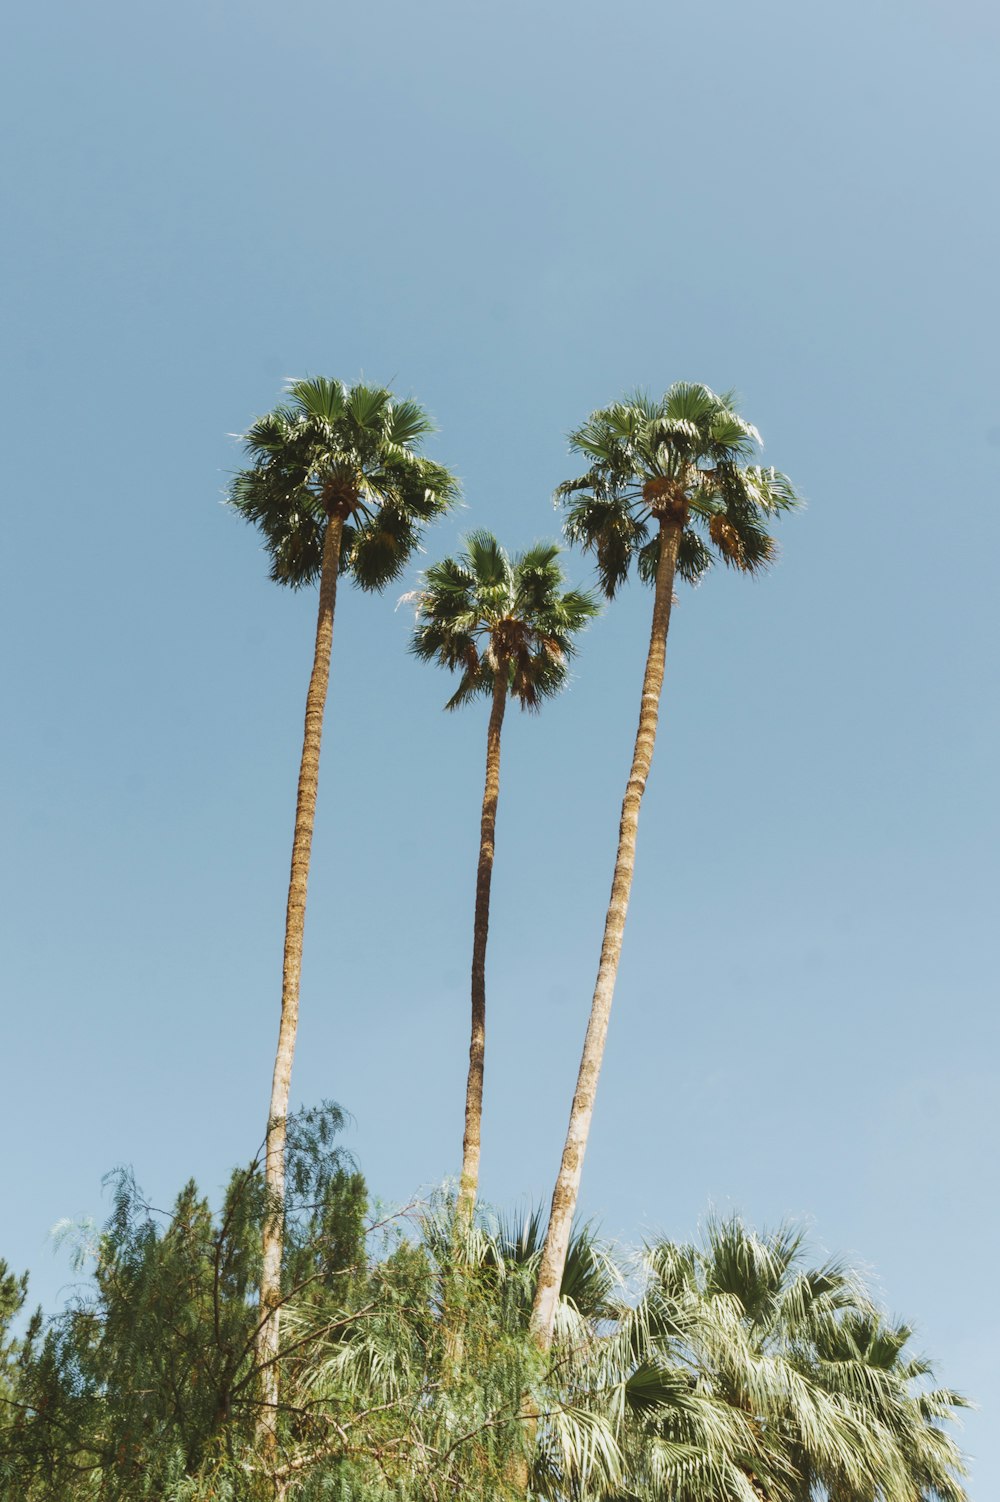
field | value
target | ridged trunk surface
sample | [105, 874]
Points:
[567, 1187]
[295, 915]
[471, 1141]
[468, 1184]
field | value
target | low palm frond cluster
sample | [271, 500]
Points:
[728, 1371]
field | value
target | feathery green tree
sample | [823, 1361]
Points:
[669, 487]
[13, 1293]
[336, 486]
[148, 1383]
[508, 626]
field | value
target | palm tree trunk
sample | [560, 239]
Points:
[469, 1182]
[274, 1160]
[567, 1187]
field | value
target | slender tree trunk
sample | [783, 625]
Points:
[568, 1183]
[305, 816]
[469, 1182]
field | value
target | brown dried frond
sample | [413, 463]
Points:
[726, 538]
[656, 488]
[666, 498]
[509, 637]
[340, 496]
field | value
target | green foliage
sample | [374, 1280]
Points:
[688, 456]
[147, 1379]
[802, 1388]
[13, 1292]
[730, 1371]
[485, 613]
[349, 451]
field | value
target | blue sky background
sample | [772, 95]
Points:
[512, 213]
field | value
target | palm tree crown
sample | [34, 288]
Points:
[683, 457]
[485, 613]
[345, 451]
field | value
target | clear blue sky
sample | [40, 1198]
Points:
[512, 213]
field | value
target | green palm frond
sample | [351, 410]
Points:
[806, 1353]
[366, 406]
[614, 531]
[345, 450]
[472, 685]
[488, 563]
[318, 397]
[382, 546]
[408, 423]
[688, 452]
[694, 402]
[486, 613]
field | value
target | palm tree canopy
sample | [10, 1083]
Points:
[485, 612]
[347, 451]
[833, 1403]
[687, 456]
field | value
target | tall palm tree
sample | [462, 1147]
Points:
[336, 485]
[669, 487]
[508, 626]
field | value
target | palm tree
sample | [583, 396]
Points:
[669, 487]
[507, 625]
[812, 1392]
[336, 486]
[864, 1363]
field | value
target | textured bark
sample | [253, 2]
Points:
[305, 815]
[469, 1182]
[567, 1187]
